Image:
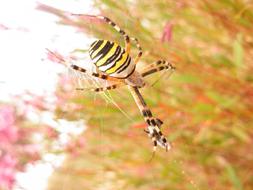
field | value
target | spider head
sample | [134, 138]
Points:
[135, 79]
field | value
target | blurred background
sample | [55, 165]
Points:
[54, 137]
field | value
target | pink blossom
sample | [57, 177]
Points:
[32, 152]
[91, 18]
[55, 57]
[31, 148]
[50, 9]
[50, 132]
[35, 101]
[8, 134]
[8, 131]
[167, 32]
[81, 142]
[6, 116]
[7, 171]
[73, 147]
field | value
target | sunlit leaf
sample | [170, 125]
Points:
[238, 50]
[233, 177]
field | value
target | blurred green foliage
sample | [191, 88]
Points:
[206, 105]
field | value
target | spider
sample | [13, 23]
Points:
[114, 63]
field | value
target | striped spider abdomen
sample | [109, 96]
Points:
[111, 59]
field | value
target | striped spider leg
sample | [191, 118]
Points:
[154, 124]
[97, 75]
[105, 88]
[156, 67]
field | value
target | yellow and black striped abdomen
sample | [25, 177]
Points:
[111, 59]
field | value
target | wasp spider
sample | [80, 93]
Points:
[114, 63]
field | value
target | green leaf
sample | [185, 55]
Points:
[222, 60]
[241, 134]
[233, 177]
[186, 78]
[238, 50]
[222, 100]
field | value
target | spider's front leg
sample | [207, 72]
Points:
[121, 32]
[156, 67]
[126, 36]
[97, 75]
[136, 60]
[115, 26]
[118, 29]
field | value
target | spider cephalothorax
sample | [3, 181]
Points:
[115, 64]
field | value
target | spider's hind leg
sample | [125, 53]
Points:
[153, 130]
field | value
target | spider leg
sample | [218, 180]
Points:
[122, 32]
[100, 89]
[115, 26]
[155, 64]
[153, 129]
[156, 67]
[118, 29]
[136, 60]
[97, 75]
[127, 39]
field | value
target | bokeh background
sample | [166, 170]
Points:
[96, 142]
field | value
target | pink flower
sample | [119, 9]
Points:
[31, 148]
[8, 135]
[81, 142]
[8, 131]
[32, 152]
[89, 18]
[7, 171]
[35, 101]
[6, 116]
[50, 132]
[55, 57]
[167, 32]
